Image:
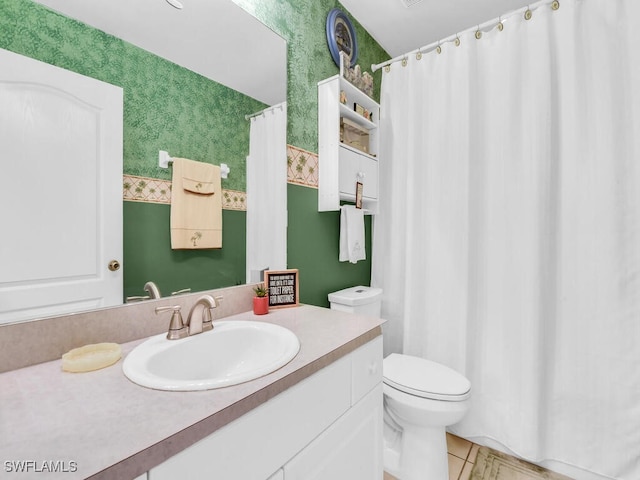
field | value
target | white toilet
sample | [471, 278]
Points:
[421, 398]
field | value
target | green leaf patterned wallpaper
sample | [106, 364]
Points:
[166, 107]
[302, 24]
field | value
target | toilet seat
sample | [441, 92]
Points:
[424, 378]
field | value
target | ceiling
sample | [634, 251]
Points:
[400, 29]
[198, 37]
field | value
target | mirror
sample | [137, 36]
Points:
[216, 41]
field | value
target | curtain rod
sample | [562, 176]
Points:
[527, 11]
[262, 112]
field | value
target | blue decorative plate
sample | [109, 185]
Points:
[341, 37]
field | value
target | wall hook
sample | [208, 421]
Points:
[164, 160]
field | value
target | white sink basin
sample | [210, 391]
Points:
[233, 352]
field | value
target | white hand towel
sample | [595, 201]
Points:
[352, 247]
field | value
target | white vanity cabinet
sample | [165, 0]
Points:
[342, 166]
[327, 426]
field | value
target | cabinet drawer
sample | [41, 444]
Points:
[366, 369]
[356, 167]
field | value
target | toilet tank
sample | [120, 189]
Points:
[362, 300]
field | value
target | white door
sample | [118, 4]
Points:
[60, 190]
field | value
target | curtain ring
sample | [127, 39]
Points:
[404, 62]
[419, 55]
[456, 42]
[478, 33]
[387, 68]
[555, 5]
[528, 14]
[438, 49]
[500, 25]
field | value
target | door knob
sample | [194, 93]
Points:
[114, 265]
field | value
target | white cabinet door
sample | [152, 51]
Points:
[61, 190]
[356, 167]
[351, 449]
[366, 369]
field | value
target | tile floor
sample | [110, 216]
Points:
[462, 455]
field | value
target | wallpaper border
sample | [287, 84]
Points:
[154, 190]
[302, 169]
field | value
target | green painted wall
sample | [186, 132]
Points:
[313, 248]
[167, 107]
[148, 240]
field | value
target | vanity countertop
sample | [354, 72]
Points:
[101, 425]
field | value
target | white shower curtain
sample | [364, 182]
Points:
[267, 192]
[512, 164]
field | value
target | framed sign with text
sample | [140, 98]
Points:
[283, 288]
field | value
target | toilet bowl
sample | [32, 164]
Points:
[421, 398]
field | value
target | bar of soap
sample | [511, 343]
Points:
[91, 357]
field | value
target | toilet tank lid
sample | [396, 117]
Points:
[356, 295]
[424, 378]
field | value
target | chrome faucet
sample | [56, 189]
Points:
[202, 322]
[149, 287]
[199, 319]
[152, 289]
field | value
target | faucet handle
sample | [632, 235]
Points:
[175, 308]
[180, 292]
[137, 298]
[177, 328]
